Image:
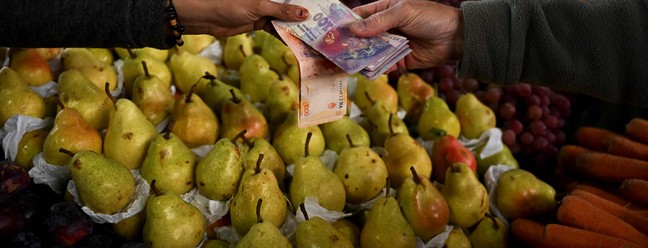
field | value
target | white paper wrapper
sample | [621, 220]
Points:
[119, 68]
[136, 204]
[493, 139]
[55, 63]
[54, 176]
[163, 124]
[48, 89]
[6, 61]
[213, 52]
[355, 114]
[490, 179]
[437, 241]
[202, 151]
[329, 157]
[369, 203]
[212, 210]
[15, 128]
[313, 209]
[427, 145]
[352, 85]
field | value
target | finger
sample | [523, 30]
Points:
[286, 12]
[376, 24]
[366, 10]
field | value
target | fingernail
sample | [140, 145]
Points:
[301, 13]
[359, 26]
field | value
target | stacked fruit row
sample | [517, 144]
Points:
[605, 177]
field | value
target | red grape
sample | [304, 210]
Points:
[551, 121]
[507, 110]
[540, 143]
[526, 138]
[516, 126]
[493, 95]
[446, 71]
[560, 136]
[446, 85]
[551, 138]
[534, 112]
[470, 85]
[537, 127]
[508, 137]
[523, 89]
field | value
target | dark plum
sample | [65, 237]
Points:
[67, 224]
[13, 179]
[12, 219]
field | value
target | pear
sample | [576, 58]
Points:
[128, 135]
[170, 162]
[48, 53]
[379, 125]
[423, 206]
[335, 134]
[159, 54]
[294, 74]
[104, 55]
[467, 198]
[71, 132]
[239, 114]
[362, 171]
[93, 103]
[215, 243]
[386, 226]
[131, 227]
[30, 65]
[403, 152]
[195, 123]
[188, 68]
[490, 232]
[152, 96]
[263, 233]
[520, 194]
[31, 144]
[97, 71]
[474, 116]
[271, 159]
[317, 232]
[457, 239]
[283, 98]
[258, 38]
[195, 43]
[230, 77]
[349, 229]
[313, 179]
[172, 222]
[257, 184]
[17, 98]
[289, 140]
[51, 106]
[217, 93]
[278, 55]
[219, 173]
[104, 185]
[413, 93]
[256, 77]
[133, 69]
[503, 157]
[236, 48]
[367, 90]
[436, 115]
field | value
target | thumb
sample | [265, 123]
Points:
[375, 24]
[285, 12]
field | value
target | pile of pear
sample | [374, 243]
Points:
[244, 111]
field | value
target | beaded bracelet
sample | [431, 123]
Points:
[176, 26]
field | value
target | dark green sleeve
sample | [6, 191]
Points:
[593, 47]
[82, 23]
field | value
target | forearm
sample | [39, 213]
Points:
[595, 47]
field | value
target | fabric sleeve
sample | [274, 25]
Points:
[594, 47]
[82, 23]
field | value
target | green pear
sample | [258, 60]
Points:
[133, 69]
[283, 98]
[271, 158]
[423, 206]
[467, 198]
[48, 53]
[257, 184]
[379, 125]
[278, 55]
[230, 77]
[236, 48]
[195, 123]
[172, 222]
[97, 71]
[104, 55]
[335, 134]
[93, 103]
[457, 239]
[71, 132]
[313, 179]
[413, 93]
[258, 38]
[104, 185]
[159, 54]
[403, 152]
[503, 157]
[131, 227]
[239, 114]
[188, 68]
[289, 140]
[362, 171]
[217, 93]
[263, 233]
[30, 145]
[256, 77]
[215, 243]
[436, 115]
[17, 98]
[196, 43]
[490, 232]
[219, 173]
[170, 162]
[129, 134]
[294, 74]
[30, 65]
[474, 116]
[368, 90]
[386, 226]
[349, 229]
[152, 96]
[520, 194]
[317, 232]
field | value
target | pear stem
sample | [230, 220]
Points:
[371, 100]
[257, 169]
[247, 141]
[131, 53]
[278, 73]
[60, 103]
[210, 77]
[388, 187]
[494, 219]
[239, 135]
[455, 169]
[417, 180]
[348, 137]
[302, 207]
[234, 98]
[66, 151]
[107, 90]
[155, 190]
[147, 74]
[191, 92]
[389, 124]
[308, 138]
[258, 210]
[242, 51]
[167, 130]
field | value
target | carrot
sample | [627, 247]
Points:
[625, 147]
[567, 155]
[607, 167]
[636, 130]
[579, 213]
[635, 190]
[594, 138]
[607, 194]
[556, 235]
[633, 218]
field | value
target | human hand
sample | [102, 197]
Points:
[435, 31]
[225, 18]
